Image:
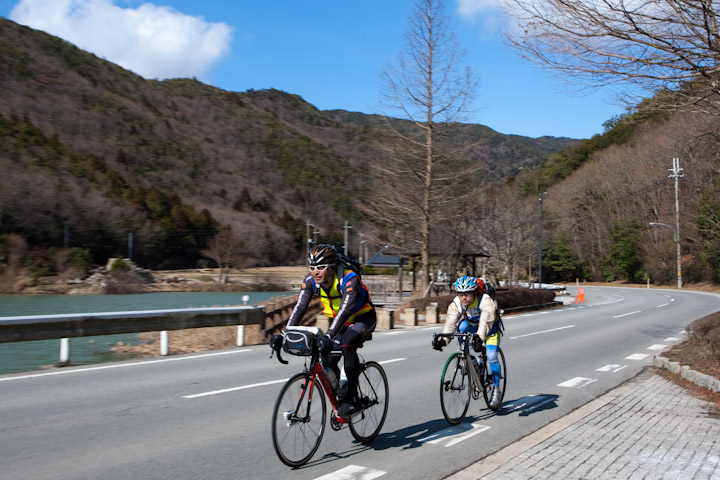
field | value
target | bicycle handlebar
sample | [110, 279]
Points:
[279, 356]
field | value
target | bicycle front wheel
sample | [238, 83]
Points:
[488, 382]
[298, 422]
[455, 389]
[373, 394]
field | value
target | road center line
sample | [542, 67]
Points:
[626, 314]
[233, 389]
[391, 361]
[262, 384]
[544, 331]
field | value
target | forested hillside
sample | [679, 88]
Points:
[99, 162]
[601, 195]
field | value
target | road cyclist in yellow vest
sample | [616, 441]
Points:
[475, 309]
[347, 302]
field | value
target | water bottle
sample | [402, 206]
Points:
[331, 377]
[478, 369]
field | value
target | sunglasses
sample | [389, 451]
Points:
[319, 268]
[465, 294]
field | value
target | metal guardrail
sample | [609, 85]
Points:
[65, 326]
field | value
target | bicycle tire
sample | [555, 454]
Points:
[296, 438]
[487, 380]
[374, 394]
[455, 389]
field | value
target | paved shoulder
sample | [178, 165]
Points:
[647, 428]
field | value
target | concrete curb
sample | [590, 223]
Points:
[700, 379]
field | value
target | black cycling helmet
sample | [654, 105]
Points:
[322, 254]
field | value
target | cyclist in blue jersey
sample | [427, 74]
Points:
[474, 310]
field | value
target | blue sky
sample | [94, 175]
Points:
[330, 52]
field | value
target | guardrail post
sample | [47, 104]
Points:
[431, 314]
[65, 351]
[164, 343]
[385, 319]
[241, 335]
[411, 317]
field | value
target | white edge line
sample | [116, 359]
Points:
[122, 365]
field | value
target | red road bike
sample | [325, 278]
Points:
[299, 416]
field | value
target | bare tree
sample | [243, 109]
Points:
[427, 86]
[661, 46]
[227, 250]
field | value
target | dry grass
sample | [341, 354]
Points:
[701, 351]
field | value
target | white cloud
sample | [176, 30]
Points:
[491, 14]
[471, 8]
[152, 41]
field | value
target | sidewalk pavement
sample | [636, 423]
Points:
[648, 428]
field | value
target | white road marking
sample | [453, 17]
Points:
[395, 332]
[626, 314]
[638, 356]
[453, 435]
[123, 365]
[656, 347]
[577, 382]
[353, 472]
[614, 368]
[391, 361]
[262, 384]
[234, 389]
[544, 331]
[672, 339]
[663, 305]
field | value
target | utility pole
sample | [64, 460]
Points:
[130, 245]
[347, 228]
[540, 201]
[307, 237]
[675, 172]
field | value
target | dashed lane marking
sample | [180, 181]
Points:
[614, 368]
[234, 389]
[392, 361]
[638, 356]
[672, 339]
[453, 435]
[262, 384]
[626, 314]
[657, 347]
[544, 331]
[577, 382]
[353, 472]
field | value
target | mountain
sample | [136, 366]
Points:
[96, 157]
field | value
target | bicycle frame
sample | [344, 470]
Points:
[317, 372]
[463, 346]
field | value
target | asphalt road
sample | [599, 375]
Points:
[207, 416]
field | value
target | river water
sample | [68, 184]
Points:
[24, 356]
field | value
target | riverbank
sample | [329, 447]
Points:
[260, 279]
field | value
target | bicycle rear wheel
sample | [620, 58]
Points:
[298, 422]
[488, 383]
[455, 389]
[373, 394]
